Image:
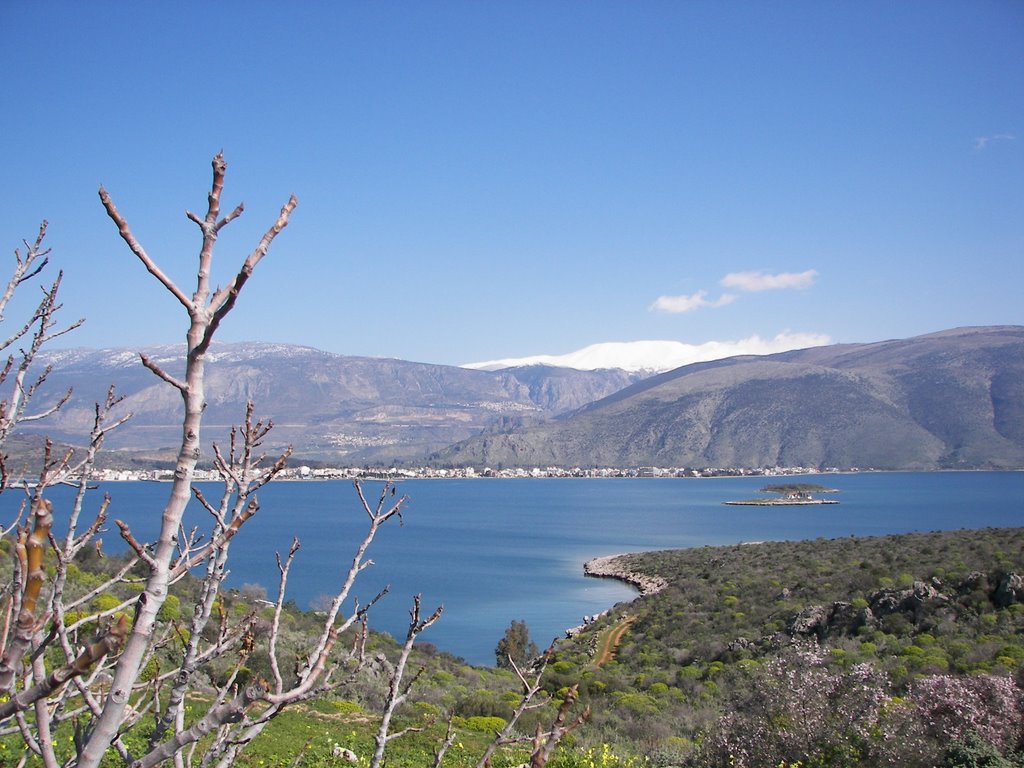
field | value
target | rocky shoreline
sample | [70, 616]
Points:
[613, 567]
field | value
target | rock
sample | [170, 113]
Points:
[922, 594]
[1010, 590]
[975, 580]
[847, 618]
[345, 754]
[741, 644]
[886, 601]
[913, 600]
[812, 620]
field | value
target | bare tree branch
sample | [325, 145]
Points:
[543, 742]
[230, 712]
[276, 623]
[107, 644]
[25, 266]
[30, 548]
[139, 251]
[161, 373]
[396, 693]
[105, 710]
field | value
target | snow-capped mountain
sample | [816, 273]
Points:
[947, 400]
[659, 356]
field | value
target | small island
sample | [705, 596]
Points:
[790, 494]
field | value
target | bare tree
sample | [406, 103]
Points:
[38, 330]
[135, 673]
[543, 742]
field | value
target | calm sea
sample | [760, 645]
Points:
[492, 551]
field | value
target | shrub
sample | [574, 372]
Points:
[987, 706]
[171, 609]
[105, 602]
[483, 724]
[974, 752]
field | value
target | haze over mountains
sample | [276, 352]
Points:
[953, 399]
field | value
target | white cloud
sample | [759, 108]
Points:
[983, 141]
[678, 304]
[656, 356]
[762, 281]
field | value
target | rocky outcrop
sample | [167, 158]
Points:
[847, 618]
[975, 581]
[812, 620]
[821, 622]
[922, 602]
[614, 567]
[913, 600]
[1010, 590]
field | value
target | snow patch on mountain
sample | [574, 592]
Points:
[174, 354]
[659, 356]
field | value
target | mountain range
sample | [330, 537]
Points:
[953, 399]
[331, 408]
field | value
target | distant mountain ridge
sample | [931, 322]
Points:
[331, 407]
[953, 399]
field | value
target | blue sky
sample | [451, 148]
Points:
[487, 180]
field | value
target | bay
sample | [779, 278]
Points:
[493, 550]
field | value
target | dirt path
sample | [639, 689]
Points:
[610, 641]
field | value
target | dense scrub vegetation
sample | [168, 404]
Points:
[901, 650]
[869, 624]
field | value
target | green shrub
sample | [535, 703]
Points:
[483, 724]
[638, 703]
[346, 707]
[171, 609]
[105, 602]
[973, 752]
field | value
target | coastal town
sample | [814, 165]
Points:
[306, 473]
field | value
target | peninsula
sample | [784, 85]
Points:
[616, 567]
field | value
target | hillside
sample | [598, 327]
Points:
[774, 652]
[953, 399]
[330, 407]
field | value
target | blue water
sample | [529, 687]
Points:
[495, 550]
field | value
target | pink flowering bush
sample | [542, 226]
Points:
[796, 709]
[950, 708]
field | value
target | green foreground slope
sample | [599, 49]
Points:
[896, 650]
[905, 611]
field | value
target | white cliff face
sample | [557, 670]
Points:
[659, 356]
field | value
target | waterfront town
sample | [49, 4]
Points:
[469, 473]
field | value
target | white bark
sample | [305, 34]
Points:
[204, 316]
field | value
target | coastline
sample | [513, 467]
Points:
[613, 567]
